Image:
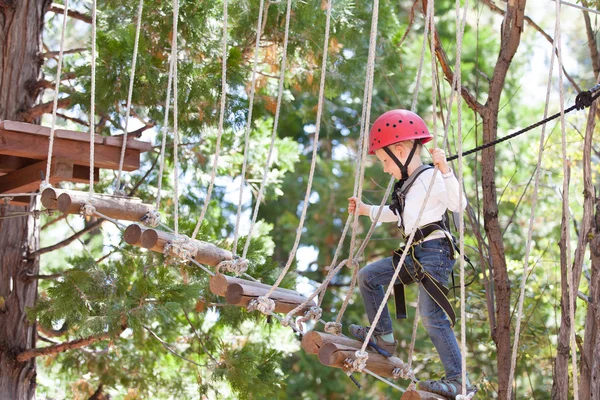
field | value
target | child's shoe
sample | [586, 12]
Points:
[449, 388]
[384, 348]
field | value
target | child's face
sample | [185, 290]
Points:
[389, 166]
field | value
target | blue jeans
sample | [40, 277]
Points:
[435, 257]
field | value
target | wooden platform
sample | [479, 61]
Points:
[24, 151]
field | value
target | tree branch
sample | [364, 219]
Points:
[68, 240]
[53, 332]
[170, 349]
[53, 54]
[41, 109]
[60, 9]
[59, 348]
[535, 26]
[449, 74]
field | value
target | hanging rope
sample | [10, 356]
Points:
[292, 255]
[175, 117]
[164, 133]
[248, 126]
[46, 182]
[528, 244]
[129, 94]
[221, 116]
[274, 132]
[92, 99]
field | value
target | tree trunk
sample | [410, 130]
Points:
[21, 24]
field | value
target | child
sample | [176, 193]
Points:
[396, 138]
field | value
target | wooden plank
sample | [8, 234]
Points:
[21, 201]
[28, 179]
[117, 141]
[219, 283]
[35, 146]
[12, 163]
[45, 131]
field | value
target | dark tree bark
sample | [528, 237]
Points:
[21, 24]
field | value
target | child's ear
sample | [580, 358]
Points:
[400, 149]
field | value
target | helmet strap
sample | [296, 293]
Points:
[403, 167]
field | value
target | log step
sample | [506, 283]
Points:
[117, 207]
[155, 240]
[240, 292]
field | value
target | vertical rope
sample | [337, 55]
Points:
[92, 99]
[221, 116]
[275, 123]
[528, 244]
[164, 130]
[292, 255]
[46, 181]
[565, 206]
[175, 112]
[248, 127]
[129, 94]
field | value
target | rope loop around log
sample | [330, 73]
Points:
[351, 263]
[263, 304]
[334, 328]
[181, 247]
[361, 360]
[237, 266]
[151, 219]
[313, 313]
[88, 209]
[403, 372]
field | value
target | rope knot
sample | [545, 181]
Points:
[152, 219]
[313, 313]
[44, 185]
[361, 360]
[236, 266]
[181, 247]
[351, 263]
[263, 304]
[88, 209]
[288, 321]
[334, 328]
[404, 372]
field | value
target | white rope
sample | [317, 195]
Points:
[164, 133]
[461, 224]
[92, 99]
[566, 3]
[130, 93]
[248, 126]
[292, 255]
[46, 182]
[175, 116]
[528, 244]
[565, 207]
[221, 116]
[274, 133]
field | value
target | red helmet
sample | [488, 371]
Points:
[397, 126]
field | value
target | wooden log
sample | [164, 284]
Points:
[313, 341]
[205, 253]
[133, 235]
[420, 395]
[334, 355]
[241, 295]
[112, 206]
[219, 283]
[50, 197]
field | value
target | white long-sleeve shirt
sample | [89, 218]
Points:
[444, 195]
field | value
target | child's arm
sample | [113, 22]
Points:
[451, 195]
[370, 211]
